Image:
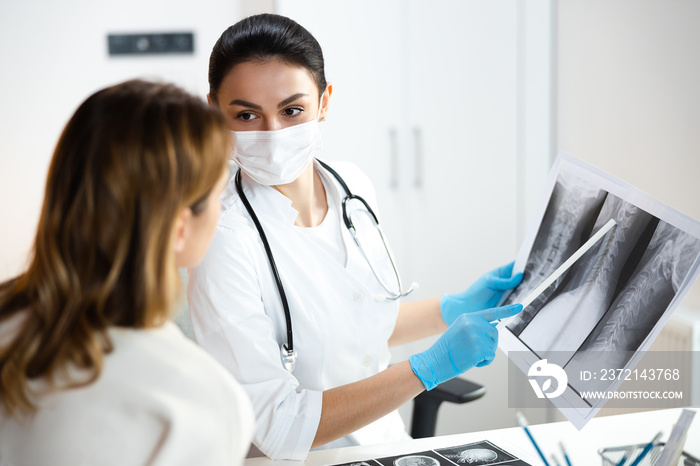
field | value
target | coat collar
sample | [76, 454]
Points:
[275, 210]
[268, 199]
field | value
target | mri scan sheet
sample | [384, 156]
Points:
[615, 298]
[477, 453]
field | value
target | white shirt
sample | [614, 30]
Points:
[328, 235]
[160, 400]
[340, 330]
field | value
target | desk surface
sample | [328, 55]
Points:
[582, 446]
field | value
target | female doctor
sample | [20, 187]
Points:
[317, 374]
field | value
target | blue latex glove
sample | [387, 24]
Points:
[485, 293]
[471, 341]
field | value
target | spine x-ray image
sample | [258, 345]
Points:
[614, 299]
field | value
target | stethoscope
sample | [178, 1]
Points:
[287, 351]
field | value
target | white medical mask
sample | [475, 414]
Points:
[277, 157]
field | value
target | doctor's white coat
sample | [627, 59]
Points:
[340, 330]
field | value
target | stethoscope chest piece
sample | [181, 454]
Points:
[289, 358]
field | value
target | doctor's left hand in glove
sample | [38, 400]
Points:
[485, 293]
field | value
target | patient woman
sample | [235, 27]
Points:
[92, 371]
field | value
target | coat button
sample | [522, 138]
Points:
[367, 361]
[358, 297]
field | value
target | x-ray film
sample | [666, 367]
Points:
[615, 298]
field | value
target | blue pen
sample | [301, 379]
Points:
[646, 450]
[626, 456]
[523, 423]
[566, 456]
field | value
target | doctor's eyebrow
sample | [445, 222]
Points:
[291, 99]
[244, 103]
[288, 100]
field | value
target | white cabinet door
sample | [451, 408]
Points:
[462, 104]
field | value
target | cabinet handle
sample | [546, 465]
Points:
[393, 159]
[418, 160]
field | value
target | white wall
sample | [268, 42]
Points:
[629, 94]
[53, 54]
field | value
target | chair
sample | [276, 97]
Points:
[425, 405]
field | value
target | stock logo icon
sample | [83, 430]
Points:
[542, 370]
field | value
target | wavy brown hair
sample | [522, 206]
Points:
[131, 158]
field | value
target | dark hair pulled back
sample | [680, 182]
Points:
[264, 37]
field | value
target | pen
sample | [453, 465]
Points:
[627, 455]
[646, 450]
[523, 423]
[566, 456]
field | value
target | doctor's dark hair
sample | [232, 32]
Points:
[130, 161]
[261, 38]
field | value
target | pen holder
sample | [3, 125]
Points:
[612, 455]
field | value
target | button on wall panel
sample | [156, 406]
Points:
[175, 43]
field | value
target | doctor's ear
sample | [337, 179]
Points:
[209, 99]
[326, 97]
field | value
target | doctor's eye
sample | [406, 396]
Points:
[246, 116]
[293, 111]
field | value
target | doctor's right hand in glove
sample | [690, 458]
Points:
[470, 341]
